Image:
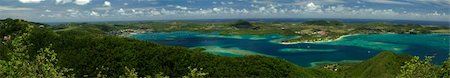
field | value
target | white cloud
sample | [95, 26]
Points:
[339, 8]
[9, 8]
[82, 2]
[262, 8]
[48, 10]
[319, 2]
[262, 1]
[181, 7]
[63, 1]
[70, 10]
[319, 11]
[72, 13]
[389, 2]
[301, 9]
[121, 10]
[78, 2]
[93, 13]
[312, 7]
[217, 9]
[31, 1]
[107, 4]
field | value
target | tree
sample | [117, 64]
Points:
[416, 68]
[195, 73]
[130, 73]
[445, 70]
[19, 65]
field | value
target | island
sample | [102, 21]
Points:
[306, 32]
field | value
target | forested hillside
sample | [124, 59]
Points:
[89, 52]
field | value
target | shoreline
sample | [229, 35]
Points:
[298, 42]
[337, 39]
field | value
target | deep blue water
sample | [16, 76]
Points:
[357, 47]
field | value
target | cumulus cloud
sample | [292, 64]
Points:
[121, 10]
[247, 9]
[82, 2]
[9, 8]
[77, 2]
[63, 1]
[107, 4]
[320, 2]
[338, 11]
[262, 1]
[181, 7]
[389, 2]
[312, 7]
[47, 10]
[93, 13]
[31, 1]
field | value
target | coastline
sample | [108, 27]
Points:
[322, 41]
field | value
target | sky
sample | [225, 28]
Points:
[126, 10]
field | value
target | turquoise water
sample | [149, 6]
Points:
[351, 48]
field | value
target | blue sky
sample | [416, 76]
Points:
[118, 10]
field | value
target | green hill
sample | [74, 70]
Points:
[384, 65]
[242, 24]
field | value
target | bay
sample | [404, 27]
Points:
[351, 48]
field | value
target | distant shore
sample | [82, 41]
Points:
[320, 41]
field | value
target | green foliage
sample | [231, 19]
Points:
[445, 70]
[130, 73]
[384, 65]
[195, 73]
[324, 22]
[19, 65]
[12, 27]
[416, 68]
[100, 71]
[160, 75]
